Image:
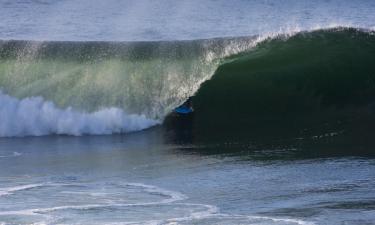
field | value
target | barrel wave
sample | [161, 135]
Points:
[311, 84]
[244, 84]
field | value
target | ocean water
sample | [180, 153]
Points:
[282, 129]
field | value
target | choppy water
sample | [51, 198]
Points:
[293, 146]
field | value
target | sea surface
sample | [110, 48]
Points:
[283, 123]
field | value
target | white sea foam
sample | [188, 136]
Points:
[15, 154]
[196, 213]
[11, 190]
[26, 212]
[173, 195]
[33, 116]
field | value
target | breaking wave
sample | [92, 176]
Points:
[79, 88]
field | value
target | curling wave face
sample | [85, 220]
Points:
[306, 84]
[101, 83]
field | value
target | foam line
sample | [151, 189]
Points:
[15, 154]
[11, 190]
[174, 196]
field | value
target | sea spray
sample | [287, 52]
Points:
[81, 88]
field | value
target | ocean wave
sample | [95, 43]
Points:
[303, 84]
[119, 87]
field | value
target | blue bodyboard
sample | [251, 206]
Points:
[183, 110]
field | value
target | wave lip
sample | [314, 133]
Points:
[34, 116]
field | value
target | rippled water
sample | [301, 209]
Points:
[145, 179]
[171, 20]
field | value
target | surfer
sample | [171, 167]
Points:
[188, 103]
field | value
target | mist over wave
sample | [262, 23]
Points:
[78, 88]
[149, 78]
[35, 116]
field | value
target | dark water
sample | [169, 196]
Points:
[312, 84]
[282, 129]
